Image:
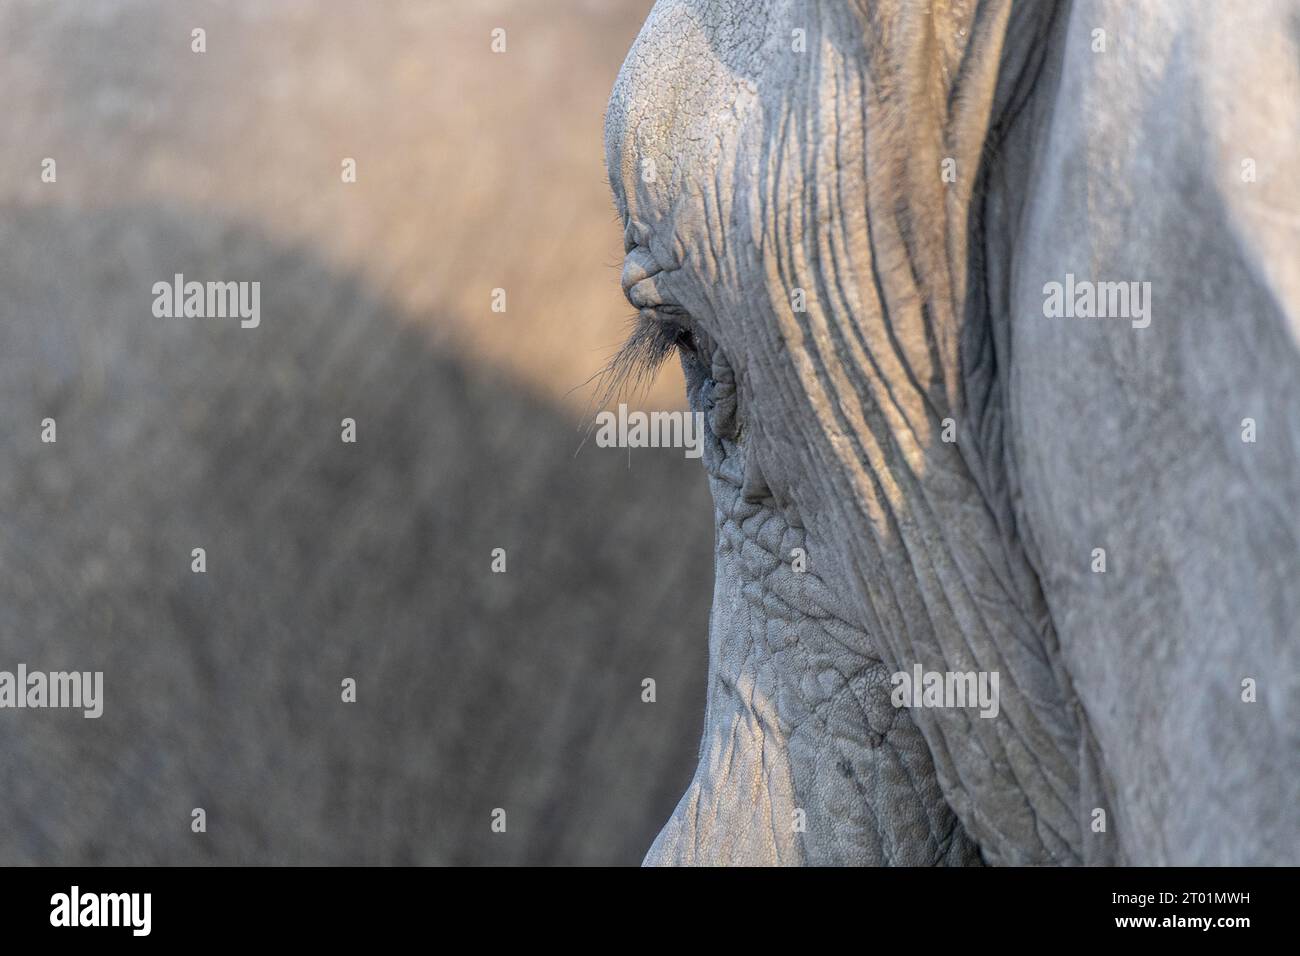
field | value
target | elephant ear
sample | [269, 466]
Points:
[879, 139]
[1158, 445]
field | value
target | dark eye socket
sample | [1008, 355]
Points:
[676, 327]
[685, 339]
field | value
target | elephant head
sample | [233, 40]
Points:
[845, 218]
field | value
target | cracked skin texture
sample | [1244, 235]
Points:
[751, 177]
[798, 713]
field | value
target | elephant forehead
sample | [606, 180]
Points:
[681, 96]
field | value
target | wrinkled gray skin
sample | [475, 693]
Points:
[746, 171]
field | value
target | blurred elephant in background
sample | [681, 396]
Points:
[992, 312]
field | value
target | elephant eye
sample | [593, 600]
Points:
[673, 322]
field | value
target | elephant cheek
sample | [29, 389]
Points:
[804, 758]
[740, 807]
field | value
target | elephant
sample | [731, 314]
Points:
[856, 224]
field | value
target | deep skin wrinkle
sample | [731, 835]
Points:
[780, 170]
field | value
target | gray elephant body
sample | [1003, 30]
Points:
[853, 218]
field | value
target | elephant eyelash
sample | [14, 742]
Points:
[655, 335]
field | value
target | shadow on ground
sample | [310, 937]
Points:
[325, 560]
